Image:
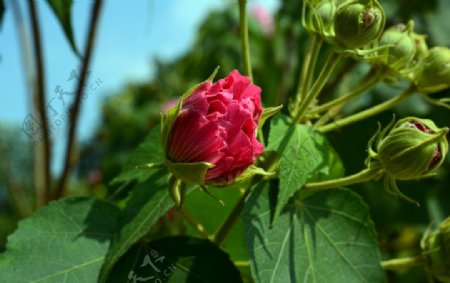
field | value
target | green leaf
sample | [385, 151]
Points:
[326, 237]
[149, 201]
[65, 241]
[192, 173]
[304, 154]
[62, 10]
[267, 113]
[149, 151]
[2, 11]
[177, 259]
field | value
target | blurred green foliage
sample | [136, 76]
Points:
[128, 116]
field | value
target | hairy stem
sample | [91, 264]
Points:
[368, 112]
[331, 63]
[401, 263]
[245, 47]
[369, 81]
[43, 188]
[226, 227]
[193, 222]
[360, 177]
[309, 65]
[75, 108]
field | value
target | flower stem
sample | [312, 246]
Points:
[193, 222]
[242, 264]
[226, 227]
[245, 47]
[331, 63]
[401, 263]
[368, 112]
[369, 81]
[309, 65]
[360, 177]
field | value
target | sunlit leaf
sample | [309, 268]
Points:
[65, 241]
[326, 237]
[303, 155]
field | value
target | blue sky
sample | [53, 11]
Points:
[130, 34]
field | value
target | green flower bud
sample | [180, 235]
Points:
[436, 251]
[421, 45]
[434, 72]
[412, 149]
[356, 24]
[401, 47]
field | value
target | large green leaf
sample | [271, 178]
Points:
[62, 10]
[148, 202]
[326, 237]
[148, 152]
[65, 241]
[175, 260]
[304, 153]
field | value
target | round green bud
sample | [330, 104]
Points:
[436, 250]
[401, 47]
[434, 70]
[412, 149]
[421, 45]
[356, 24]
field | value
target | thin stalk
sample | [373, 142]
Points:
[368, 82]
[360, 177]
[226, 227]
[75, 108]
[331, 63]
[402, 263]
[368, 112]
[43, 190]
[245, 47]
[309, 65]
[193, 222]
[242, 264]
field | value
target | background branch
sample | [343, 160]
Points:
[43, 152]
[75, 108]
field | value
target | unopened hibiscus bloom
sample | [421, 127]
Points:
[217, 125]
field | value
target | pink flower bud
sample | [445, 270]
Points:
[217, 124]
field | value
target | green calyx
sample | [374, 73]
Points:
[412, 149]
[356, 24]
[318, 17]
[434, 70]
[436, 251]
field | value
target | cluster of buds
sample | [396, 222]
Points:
[411, 149]
[358, 27]
[436, 251]
[351, 24]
